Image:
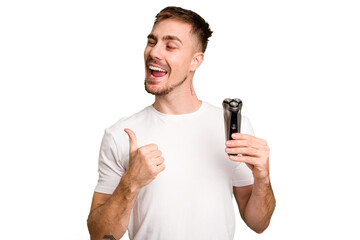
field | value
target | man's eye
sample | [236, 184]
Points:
[151, 43]
[170, 46]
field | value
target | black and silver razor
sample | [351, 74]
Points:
[232, 116]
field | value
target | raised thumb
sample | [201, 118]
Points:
[132, 140]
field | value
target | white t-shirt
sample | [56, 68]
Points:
[192, 197]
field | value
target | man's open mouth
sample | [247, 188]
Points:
[157, 71]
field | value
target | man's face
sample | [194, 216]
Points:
[168, 56]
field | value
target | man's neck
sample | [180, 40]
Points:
[178, 102]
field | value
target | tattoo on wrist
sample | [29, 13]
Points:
[111, 237]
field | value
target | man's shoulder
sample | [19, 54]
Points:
[212, 107]
[125, 121]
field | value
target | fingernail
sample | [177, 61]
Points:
[236, 135]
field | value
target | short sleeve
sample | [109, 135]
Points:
[110, 169]
[242, 175]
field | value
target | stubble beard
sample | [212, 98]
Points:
[164, 91]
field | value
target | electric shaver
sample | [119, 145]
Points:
[232, 116]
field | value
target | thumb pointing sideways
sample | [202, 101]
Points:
[132, 140]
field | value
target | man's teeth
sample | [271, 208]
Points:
[156, 69]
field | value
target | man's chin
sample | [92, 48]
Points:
[161, 90]
[157, 91]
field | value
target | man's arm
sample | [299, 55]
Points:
[256, 206]
[109, 215]
[256, 202]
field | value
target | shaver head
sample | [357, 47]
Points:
[233, 105]
[232, 116]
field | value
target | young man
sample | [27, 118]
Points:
[192, 197]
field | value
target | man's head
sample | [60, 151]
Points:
[199, 27]
[175, 49]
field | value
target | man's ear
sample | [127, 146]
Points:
[196, 61]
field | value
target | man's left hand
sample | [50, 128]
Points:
[254, 152]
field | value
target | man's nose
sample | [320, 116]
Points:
[156, 52]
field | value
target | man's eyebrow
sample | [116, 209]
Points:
[165, 38]
[151, 36]
[171, 37]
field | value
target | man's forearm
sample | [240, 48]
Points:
[110, 220]
[260, 207]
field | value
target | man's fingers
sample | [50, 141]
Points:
[161, 167]
[242, 136]
[159, 160]
[132, 140]
[245, 140]
[243, 143]
[245, 159]
[243, 150]
[156, 153]
[150, 147]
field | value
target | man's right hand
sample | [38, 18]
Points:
[110, 213]
[145, 162]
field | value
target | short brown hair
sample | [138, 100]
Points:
[199, 26]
